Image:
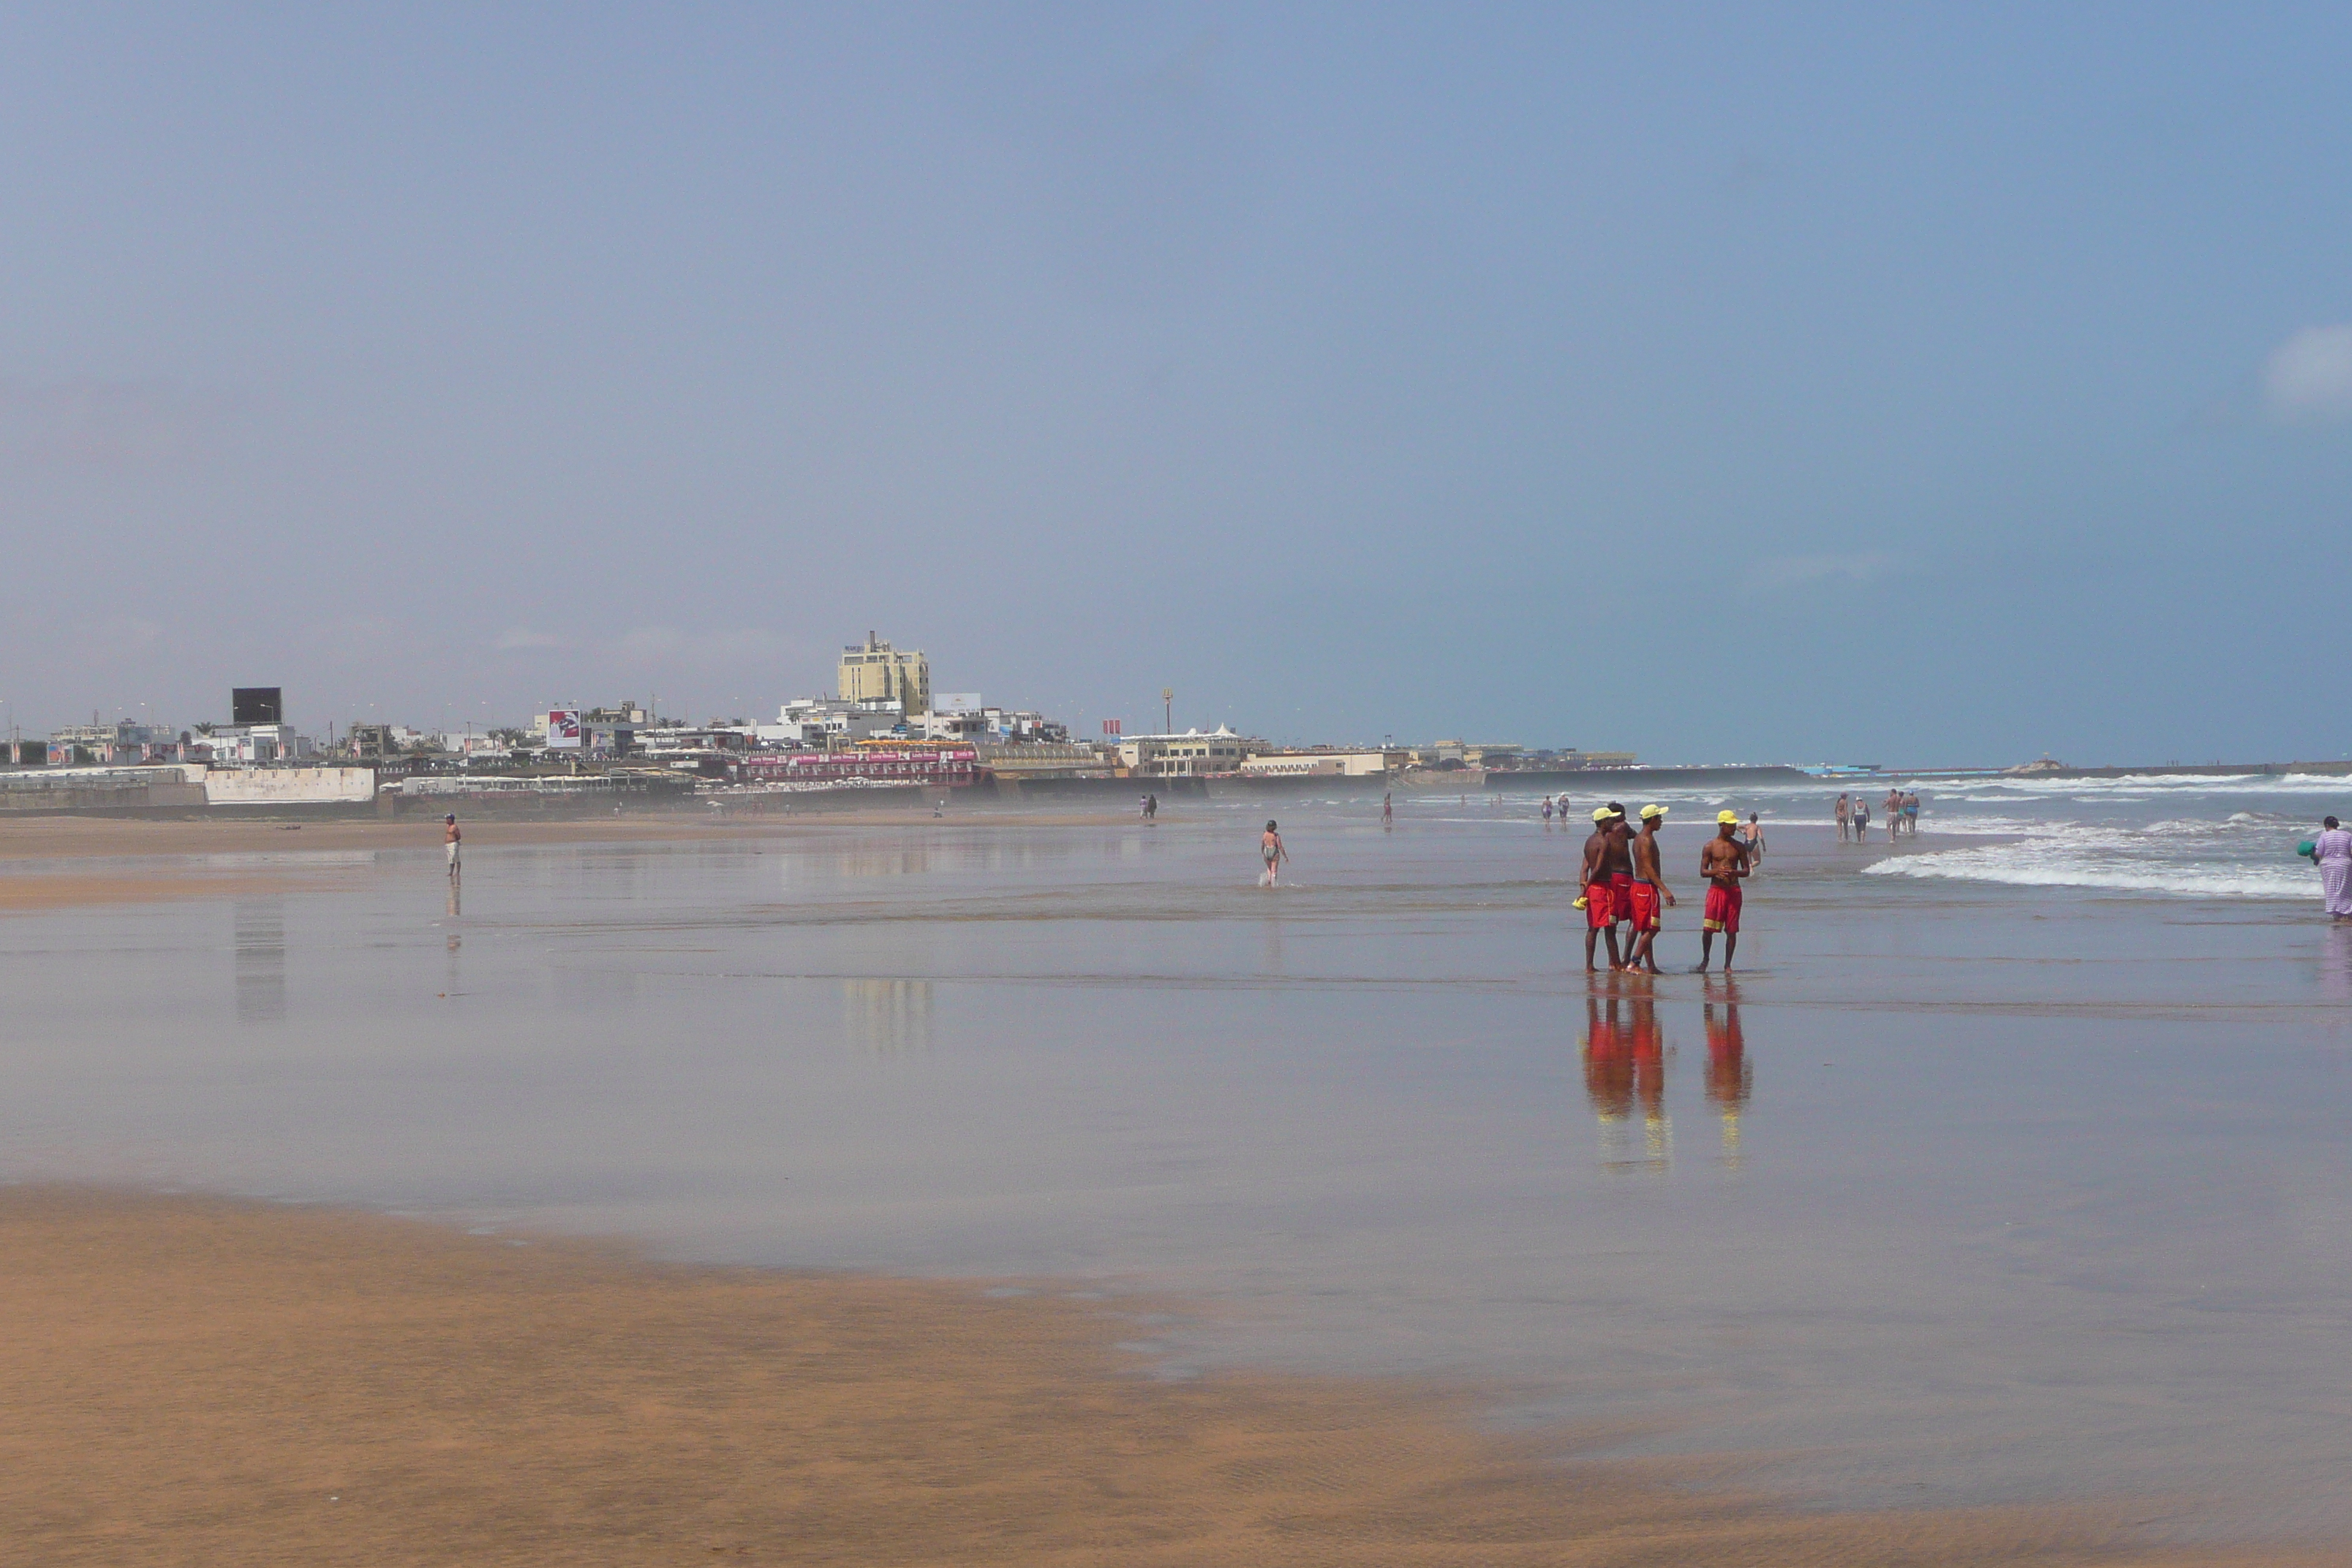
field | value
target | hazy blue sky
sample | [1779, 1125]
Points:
[1877, 383]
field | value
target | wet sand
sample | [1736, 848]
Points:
[195, 1381]
[28, 894]
[38, 855]
[1951, 1201]
[80, 837]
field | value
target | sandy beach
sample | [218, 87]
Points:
[1356, 1223]
[192, 1381]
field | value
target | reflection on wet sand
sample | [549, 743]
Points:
[1730, 1079]
[886, 1016]
[1625, 1063]
[259, 961]
[452, 912]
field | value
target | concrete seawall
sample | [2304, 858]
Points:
[289, 786]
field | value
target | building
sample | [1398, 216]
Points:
[230, 744]
[1317, 764]
[369, 740]
[988, 724]
[876, 672]
[823, 722]
[871, 763]
[1043, 760]
[1191, 754]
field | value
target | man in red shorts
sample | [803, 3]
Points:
[1649, 886]
[1723, 863]
[1602, 856]
[1620, 874]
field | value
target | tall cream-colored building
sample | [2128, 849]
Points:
[876, 672]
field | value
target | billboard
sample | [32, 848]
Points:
[956, 702]
[563, 729]
[255, 705]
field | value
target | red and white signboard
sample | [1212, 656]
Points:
[1111, 726]
[563, 729]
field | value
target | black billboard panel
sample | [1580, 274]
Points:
[257, 705]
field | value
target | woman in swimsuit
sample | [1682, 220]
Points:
[1269, 846]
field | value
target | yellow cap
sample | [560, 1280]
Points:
[1731, 816]
[1601, 813]
[1650, 811]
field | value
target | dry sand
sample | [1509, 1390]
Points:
[190, 1381]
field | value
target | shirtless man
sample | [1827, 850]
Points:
[449, 838]
[1649, 886]
[1845, 819]
[1601, 856]
[1893, 804]
[1388, 809]
[1754, 835]
[1620, 875]
[1723, 863]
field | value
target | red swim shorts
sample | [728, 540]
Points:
[1600, 906]
[1642, 911]
[1621, 889]
[1723, 909]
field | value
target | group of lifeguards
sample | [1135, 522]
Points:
[1623, 886]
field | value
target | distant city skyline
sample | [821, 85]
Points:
[1790, 385]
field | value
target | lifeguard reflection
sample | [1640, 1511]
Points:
[1730, 1077]
[1625, 1075]
[1626, 1058]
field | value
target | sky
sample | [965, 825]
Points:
[1903, 384]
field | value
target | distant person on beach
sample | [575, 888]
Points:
[1152, 808]
[1546, 811]
[1861, 820]
[1599, 899]
[2332, 853]
[1649, 886]
[449, 840]
[1845, 818]
[1723, 863]
[1911, 815]
[1894, 805]
[1388, 810]
[1753, 835]
[1270, 848]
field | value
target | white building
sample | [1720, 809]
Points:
[243, 744]
[1316, 765]
[830, 721]
[1191, 754]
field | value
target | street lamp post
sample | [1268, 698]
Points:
[1166, 709]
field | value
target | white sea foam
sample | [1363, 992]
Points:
[2069, 860]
